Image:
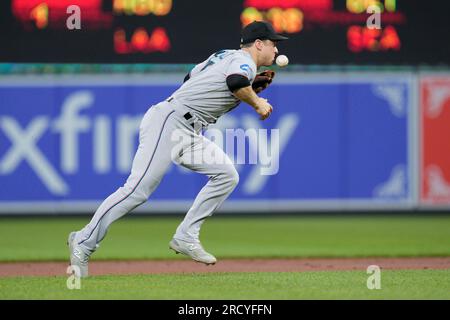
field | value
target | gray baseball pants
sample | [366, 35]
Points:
[166, 136]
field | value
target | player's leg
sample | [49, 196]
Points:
[207, 158]
[151, 161]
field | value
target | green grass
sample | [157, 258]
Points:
[323, 236]
[410, 284]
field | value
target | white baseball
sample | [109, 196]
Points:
[282, 60]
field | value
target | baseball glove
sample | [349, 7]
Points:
[262, 80]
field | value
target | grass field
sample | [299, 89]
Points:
[40, 239]
[43, 239]
[408, 284]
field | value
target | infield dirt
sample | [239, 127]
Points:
[14, 269]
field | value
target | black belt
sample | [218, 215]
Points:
[187, 115]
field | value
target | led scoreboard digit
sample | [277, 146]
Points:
[294, 16]
[411, 32]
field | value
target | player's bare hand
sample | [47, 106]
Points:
[264, 109]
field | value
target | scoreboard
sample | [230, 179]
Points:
[412, 32]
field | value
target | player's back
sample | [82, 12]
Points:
[206, 92]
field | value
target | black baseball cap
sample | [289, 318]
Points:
[261, 30]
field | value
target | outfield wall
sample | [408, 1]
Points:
[347, 141]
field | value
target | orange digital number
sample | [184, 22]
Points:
[40, 15]
[283, 20]
[142, 7]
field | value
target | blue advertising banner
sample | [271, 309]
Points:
[331, 143]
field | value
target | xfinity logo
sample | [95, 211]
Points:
[73, 123]
[24, 142]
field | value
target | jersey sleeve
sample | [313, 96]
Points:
[242, 66]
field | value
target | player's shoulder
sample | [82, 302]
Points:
[230, 53]
[244, 58]
[235, 55]
[222, 53]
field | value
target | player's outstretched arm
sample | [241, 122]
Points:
[261, 106]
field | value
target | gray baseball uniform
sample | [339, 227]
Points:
[198, 102]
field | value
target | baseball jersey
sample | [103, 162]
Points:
[206, 92]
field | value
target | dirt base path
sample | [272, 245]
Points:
[229, 265]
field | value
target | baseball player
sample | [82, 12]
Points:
[211, 89]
